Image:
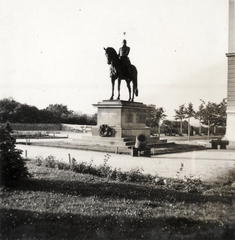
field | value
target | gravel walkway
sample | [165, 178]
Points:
[206, 164]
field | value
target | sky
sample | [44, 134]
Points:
[51, 52]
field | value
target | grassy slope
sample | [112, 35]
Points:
[57, 204]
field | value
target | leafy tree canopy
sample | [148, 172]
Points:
[212, 113]
[13, 111]
[59, 110]
[180, 113]
[154, 115]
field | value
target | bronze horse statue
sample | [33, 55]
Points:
[117, 71]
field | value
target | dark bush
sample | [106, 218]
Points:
[12, 165]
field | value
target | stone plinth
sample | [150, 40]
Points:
[127, 119]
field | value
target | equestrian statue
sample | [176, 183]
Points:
[122, 69]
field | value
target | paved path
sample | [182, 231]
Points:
[206, 164]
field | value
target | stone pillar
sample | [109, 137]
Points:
[230, 130]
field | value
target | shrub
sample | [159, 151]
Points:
[12, 165]
[63, 166]
[103, 170]
[82, 167]
[50, 162]
[193, 185]
[121, 176]
[113, 174]
[135, 175]
[39, 160]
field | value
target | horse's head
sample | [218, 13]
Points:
[111, 54]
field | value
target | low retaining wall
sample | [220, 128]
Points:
[49, 127]
[34, 126]
[75, 128]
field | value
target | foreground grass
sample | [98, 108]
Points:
[58, 204]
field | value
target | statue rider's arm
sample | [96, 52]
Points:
[127, 51]
[119, 52]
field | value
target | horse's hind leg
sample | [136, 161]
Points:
[113, 83]
[119, 87]
[135, 91]
[129, 89]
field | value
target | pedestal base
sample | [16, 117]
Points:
[123, 132]
[126, 119]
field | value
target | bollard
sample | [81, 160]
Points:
[26, 153]
[140, 146]
[140, 142]
[69, 159]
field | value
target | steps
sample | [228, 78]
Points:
[119, 142]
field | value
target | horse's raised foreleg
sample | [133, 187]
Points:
[119, 87]
[113, 83]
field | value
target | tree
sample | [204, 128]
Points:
[93, 119]
[180, 115]
[213, 114]
[199, 116]
[26, 114]
[13, 111]
[60, 111]
[189, 112]
[220, 115]
[47, 117]
[154, 115]
[12, 166]
[7, 109]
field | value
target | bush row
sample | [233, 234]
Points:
[188, 184]
[103, 170]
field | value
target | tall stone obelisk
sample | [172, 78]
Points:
[230, 131]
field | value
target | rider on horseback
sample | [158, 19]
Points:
[123, 55]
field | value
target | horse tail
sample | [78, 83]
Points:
[136, 92]
[135, 81]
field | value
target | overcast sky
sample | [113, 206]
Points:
[51, 51]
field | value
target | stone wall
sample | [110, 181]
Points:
[34, 126]
[75, 128]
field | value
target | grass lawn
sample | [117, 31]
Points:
[61, 204]
[112, 149]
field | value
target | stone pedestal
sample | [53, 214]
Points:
[127, 119]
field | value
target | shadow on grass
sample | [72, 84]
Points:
[20, 224]
[116, 190]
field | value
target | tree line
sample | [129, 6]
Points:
[210, 114]
[13, 111]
